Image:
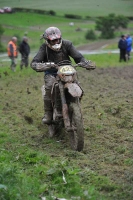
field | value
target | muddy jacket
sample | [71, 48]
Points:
[12, 49]
[45, 54]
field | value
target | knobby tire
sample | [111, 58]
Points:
[76, 136]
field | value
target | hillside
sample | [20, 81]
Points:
[84, 8]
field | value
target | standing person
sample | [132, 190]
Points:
[129, 45]
[55, 49]
[122, 45]
[12, 52]
[24, 50]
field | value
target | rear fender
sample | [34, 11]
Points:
[74, 89]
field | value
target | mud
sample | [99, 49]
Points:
[108, 119]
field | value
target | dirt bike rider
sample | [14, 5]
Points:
[55, 49]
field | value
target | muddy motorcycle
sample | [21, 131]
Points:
[66, 95]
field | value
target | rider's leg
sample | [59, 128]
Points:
[26, 61]
[48, 110]
[22, 62]
[13, 64]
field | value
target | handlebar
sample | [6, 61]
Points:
[42, 67]
[88, 65]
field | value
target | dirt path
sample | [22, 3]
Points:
[97, 45]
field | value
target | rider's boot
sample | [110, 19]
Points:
[47, 119]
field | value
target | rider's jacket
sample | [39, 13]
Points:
[12, 49]
[45, 54]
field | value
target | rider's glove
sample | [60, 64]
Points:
[41, 67]
[88, 64]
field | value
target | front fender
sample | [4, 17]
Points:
[74, 89]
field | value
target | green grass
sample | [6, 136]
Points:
[34, 25]
[107, 60]
[101, 60]
[84, 8]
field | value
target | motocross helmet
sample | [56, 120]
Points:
[52, 35]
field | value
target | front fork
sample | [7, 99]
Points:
[64, 107]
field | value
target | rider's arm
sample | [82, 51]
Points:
[39, 59]
[77, 56]
[73, 52]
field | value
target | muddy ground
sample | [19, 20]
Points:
[108, 119]
[107, 107]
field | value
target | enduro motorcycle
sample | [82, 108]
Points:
[66, 95]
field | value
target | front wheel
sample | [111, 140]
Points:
[51, 130]
[55, 129]
[77, 133]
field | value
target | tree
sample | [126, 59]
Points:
[107, 25]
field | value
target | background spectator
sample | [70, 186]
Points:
[12, 52]
[24, 50]
[129, 45]
[122, 45]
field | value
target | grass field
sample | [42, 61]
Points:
[84, 8]
[34, 26]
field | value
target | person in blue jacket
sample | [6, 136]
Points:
[129, 45]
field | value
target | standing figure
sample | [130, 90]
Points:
[122, 45]
[54, 50]
[129, 45]
[12, 52]
[24, 50]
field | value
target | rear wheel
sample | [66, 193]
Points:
[77, 134]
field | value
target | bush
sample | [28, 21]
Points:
[1, 33]
[71, 16]
[88, 17]
[109, 24]
[2, 49]
[90, 35]
[51, 12]
[43, 12]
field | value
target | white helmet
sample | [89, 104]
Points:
[52, 35]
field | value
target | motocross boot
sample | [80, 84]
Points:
[48, 112]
